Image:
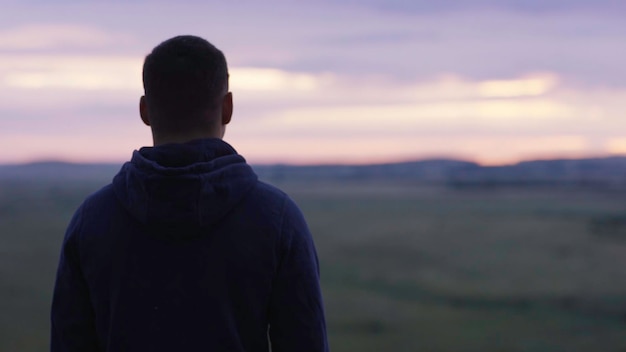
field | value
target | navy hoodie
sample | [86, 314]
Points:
[187, 251]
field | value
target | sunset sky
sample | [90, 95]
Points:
[492, 81]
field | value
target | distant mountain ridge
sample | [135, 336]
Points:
[589, 172]
[605, 172]
[58, 170]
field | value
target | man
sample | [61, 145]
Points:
[186, 250]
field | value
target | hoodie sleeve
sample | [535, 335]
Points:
[297, 320]
[72, 317]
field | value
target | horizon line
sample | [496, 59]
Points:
[321, 164]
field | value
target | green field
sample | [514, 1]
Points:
[405, 267]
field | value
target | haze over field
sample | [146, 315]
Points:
[327, 82]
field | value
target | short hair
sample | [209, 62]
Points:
[183, 77]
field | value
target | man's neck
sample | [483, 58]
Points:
[170, 139]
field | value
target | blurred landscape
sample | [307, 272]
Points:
[435, 255]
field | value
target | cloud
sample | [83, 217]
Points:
[121, 73]
[489, 114]
[315, 80]
[54, 36]
[264, 79]
[484, 41]
[70, 72]
[385, 148]
[532, 86]
[346, 119]
[527, 6]
[343, 104]
[95, 145]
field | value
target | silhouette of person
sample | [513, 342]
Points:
[186, 250]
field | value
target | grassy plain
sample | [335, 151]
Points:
[405, 267]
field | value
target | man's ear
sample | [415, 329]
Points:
[227, 108]
[143, 110]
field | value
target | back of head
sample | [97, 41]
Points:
[184, 78]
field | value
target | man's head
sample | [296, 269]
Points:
[185, 81]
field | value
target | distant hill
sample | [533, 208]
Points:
[592, 172]
[436, 171]
[58, 170]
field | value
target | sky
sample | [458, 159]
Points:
[369, 81]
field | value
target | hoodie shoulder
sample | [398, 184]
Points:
[263, 206]
[98, 208]
[267, 199]
[270, 192]
[100, 199]
[277, 205]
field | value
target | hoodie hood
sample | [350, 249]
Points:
[183, 186]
